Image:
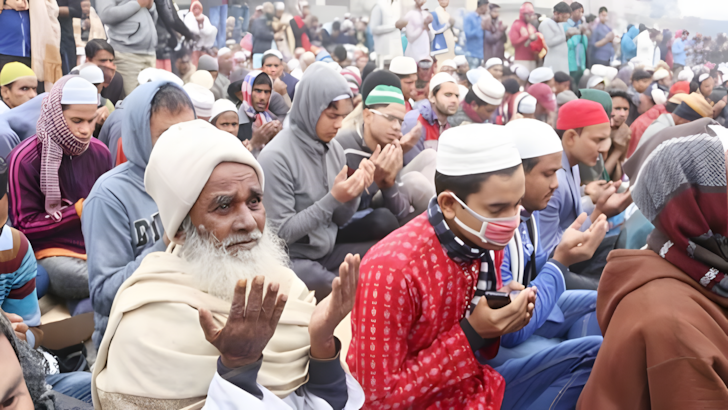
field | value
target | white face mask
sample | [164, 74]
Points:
[494, 231]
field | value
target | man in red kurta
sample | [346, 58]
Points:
[415, 341]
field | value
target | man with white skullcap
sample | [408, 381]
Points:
[542, 75]
[202, 99]
[220, 246]
[283, 83]
[461, 62]
[406, 69]
[225, 117]
[526, 262]
[479, 183]
[480, 103]
[495, 67]
[95, 76]
[433, 113]
[52, 173]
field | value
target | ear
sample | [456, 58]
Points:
[367, 115]
[5, 91]
[569, 138]
[447, 204]
[432, 98]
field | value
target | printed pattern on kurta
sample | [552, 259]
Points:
[408, 349]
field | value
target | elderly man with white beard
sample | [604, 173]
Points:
[219, 315]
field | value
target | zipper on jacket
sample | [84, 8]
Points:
[22, 31]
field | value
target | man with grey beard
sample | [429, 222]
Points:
[219, 316]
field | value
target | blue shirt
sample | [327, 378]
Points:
[606, 51]
[473, 35]
[678, 52]
[549, 281]
[15, 33]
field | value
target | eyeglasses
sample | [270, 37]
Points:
[387, 117]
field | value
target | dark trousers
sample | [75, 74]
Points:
[586, 275]
[373, 227]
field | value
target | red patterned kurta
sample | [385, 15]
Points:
[408, 349]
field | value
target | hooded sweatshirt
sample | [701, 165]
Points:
[629, 47]
[121, 221]
[300, 170]
[18, 124]
[130, 27]
[518, 39]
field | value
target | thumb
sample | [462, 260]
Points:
[376, 153]
[208, 325]
[342, 174]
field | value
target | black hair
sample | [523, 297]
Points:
[561, 133]
[562, 77]
[562, 7]
[262, 79]
[170, 97]
[336, 26]
[183, 51]
[685, 32]
[470, 98]
[465, 185]
[96, 45]
[640, 75]
[340, 53]
[620, 94]
[529, 164]
[694, 85]
[404, 76]
[493, 6]
[482, 3]
[507, 71]
[601, 9]
[576, 6]
[590, 18]
[511, 85]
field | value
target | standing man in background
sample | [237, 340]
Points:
[678, 52]
[602, 40]
[386, 23]
[217, 11]
[494, 36]
[558, 55]
[577, 36]
[135, 48]
[474, 26]
[522, 34]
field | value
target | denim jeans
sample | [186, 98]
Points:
[242, 19]
[74, 384]
[218, 18]
[552, 378]
[474, 62]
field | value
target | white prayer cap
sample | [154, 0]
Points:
[272, 52]
[220, 106]
[79, 91]
[440, 78]
[259, 8]
[476, 74]
[221, 52]
[460, 60]
[448, 63]
[533, 138]
[593, 81]
[520, 71]
[203, 78]
[463, 92]
[527, 105]
[490, 90]
[293, 64]
[686, 75]
[599, 70]
[493, 61]
[156, 74]
[175, 188]
[660, 75]
[202, 99]
[541, 75]
[658, 96]
[475, 149]
[610, 74]
[703, 77]
[402, 65]
[92, 74]
[280, 5]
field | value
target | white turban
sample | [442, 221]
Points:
[541, 75]
[475, 149]
[533, 138]
[179, 167]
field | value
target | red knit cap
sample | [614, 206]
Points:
[579, 114]
[680, 87]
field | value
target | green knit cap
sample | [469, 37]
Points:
[384, 95]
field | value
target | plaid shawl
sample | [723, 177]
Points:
[680, 186]
[457, 250]
[57, 140]
[260, 117]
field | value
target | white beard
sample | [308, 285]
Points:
[217, 269]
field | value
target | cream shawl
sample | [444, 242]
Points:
[45, 40]
[154, 354]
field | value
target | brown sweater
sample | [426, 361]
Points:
[665, 339]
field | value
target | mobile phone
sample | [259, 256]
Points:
[497, 300]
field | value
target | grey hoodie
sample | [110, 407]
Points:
[120, 221]
[18, 124]
[130, 27]
[300, 170]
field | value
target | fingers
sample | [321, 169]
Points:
[255, 300]
[208, 325]
[375, 155]
[13, 318]
[278, 310]
[269, 301]
[341, 176]
[20, 327]
[579, 221]
[237, 308]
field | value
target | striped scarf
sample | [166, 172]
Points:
[56, 140]
[458, 251]
[260, 118]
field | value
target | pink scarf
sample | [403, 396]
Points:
[56, 140]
